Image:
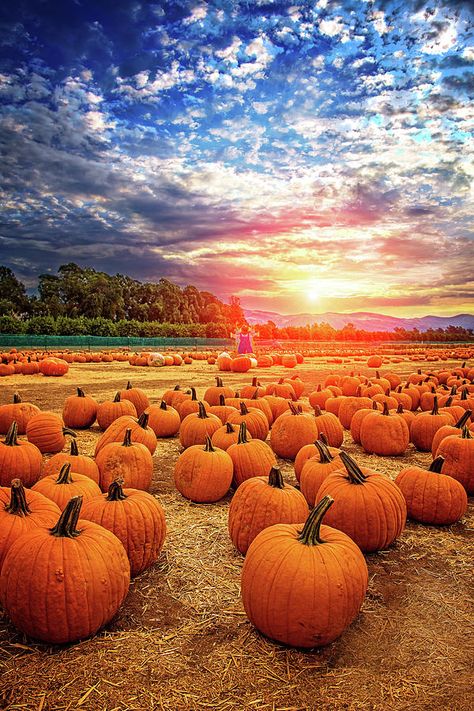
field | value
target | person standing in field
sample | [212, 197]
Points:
[243, 337]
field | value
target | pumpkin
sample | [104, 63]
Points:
[213, 394]
[197, 426]
[76, 589]
[20, 511]
[426, 424]
[80, 463]
[190, 405]
[131, 461]
[60, 488]
[141, 432]
[329, 425]
[19, 459]
[309, 451]
[163, 419]
[260, 502]
[349, 406]
[291, 431]
[431, 496]
[46, 431]
[241, 364]
[17, 411]
[458, 452]
[369, 507]
[136, 396]
[384, 434]
[251, 457]
[358, 417]
[222, 411]
[225, 436]
[448, 430]
[53, 367]
[111, 410]
[257, 423]
[79, 410]
[319, 396]
[203, 474]
[303, 586]
[254, 390]
[135, 517]
[315, 470]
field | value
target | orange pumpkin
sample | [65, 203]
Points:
[203, 474]
[17, 411]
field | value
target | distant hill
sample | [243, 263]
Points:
[361, 319]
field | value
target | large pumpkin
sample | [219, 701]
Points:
[197, 426]
[19, 459]
[60, 488]
[135, 517]
[291, 431]
[131, 461]
[203, 474]
[17, 411]
[250, 457]
[77, 573]
[80, 463]
[458, 452]
[303, 587]
[163, 419]
[384, 434]
[47, 432]
[79, 410]
[111, 410]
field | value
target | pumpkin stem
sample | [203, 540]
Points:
[449, 401]
[275, 478]
[385, 410]
[177, 387]
[163, 405]
[68, 431]
[80, 392]
[242, 433]
[323, 438]
[325, 456]
[11, 438]
[74, 450]
[115, 492]
[254, 382]
[17, 505]
[67, 522]
[222, 400]
[243, 409]
[435, 410]
[127, 440]
[129, 386]
[65, 474]
[16, 399]
[400, 409]
[117, 397]
[143, 420]
[436, 465]
[202, 410]
[317, 411]
[229, 428]
[463, 420]
[466, 433]
[208, 446]
[293, 408]
[354, 472]
[310, 535]
[219, 382]
[193, 394]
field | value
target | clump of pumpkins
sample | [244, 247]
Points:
[74, 528]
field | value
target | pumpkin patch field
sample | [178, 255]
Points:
[223, 612]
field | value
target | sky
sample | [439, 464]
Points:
[304, 156]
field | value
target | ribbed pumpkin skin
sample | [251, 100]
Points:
[313, 474]
[62, 493]
[77, 584]
[45, 430]
[424, 428]
[307, 452]
[432, 498]
[290, 432]
[163, 422]
[116, 432]
[19, 412]
[79, 411]
[373, 514]
[329, 424]
[137, 397]
[203, 476]
[134, 464]
[138, 521]
[253, 458]
[304, 596]
[20, 460]
[257, 423]
[458, 454]
[349, 406]
[384, 434]
[257, 505]
[42, 512]
[195, 429]
[111, 410]
[80, 463]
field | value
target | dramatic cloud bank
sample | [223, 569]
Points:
[285, 152]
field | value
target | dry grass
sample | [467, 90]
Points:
[182, 640]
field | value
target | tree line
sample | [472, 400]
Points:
[83, 301]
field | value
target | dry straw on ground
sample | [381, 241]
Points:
[182, 640]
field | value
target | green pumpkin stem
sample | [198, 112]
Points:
[66, 525]
[208, 446]
[127, 440]
[74, 450]
[436, 465]
[64, 476]
[80, 392]
[310, 535]
[115, 491]
[325, 456]
[11, 438]
[16, 399]
[202, 414]
[354, 472]
[275, 478]
[143, 420]
[18, 505]
[242, 433]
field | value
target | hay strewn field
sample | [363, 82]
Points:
[182, 640]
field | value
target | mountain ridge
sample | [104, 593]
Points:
[366, 320]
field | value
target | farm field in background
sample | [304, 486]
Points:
[181, 640]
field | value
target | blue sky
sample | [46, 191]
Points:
[302, 155]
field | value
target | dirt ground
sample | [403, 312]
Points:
[181, 639]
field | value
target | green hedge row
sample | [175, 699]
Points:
[65, 326]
